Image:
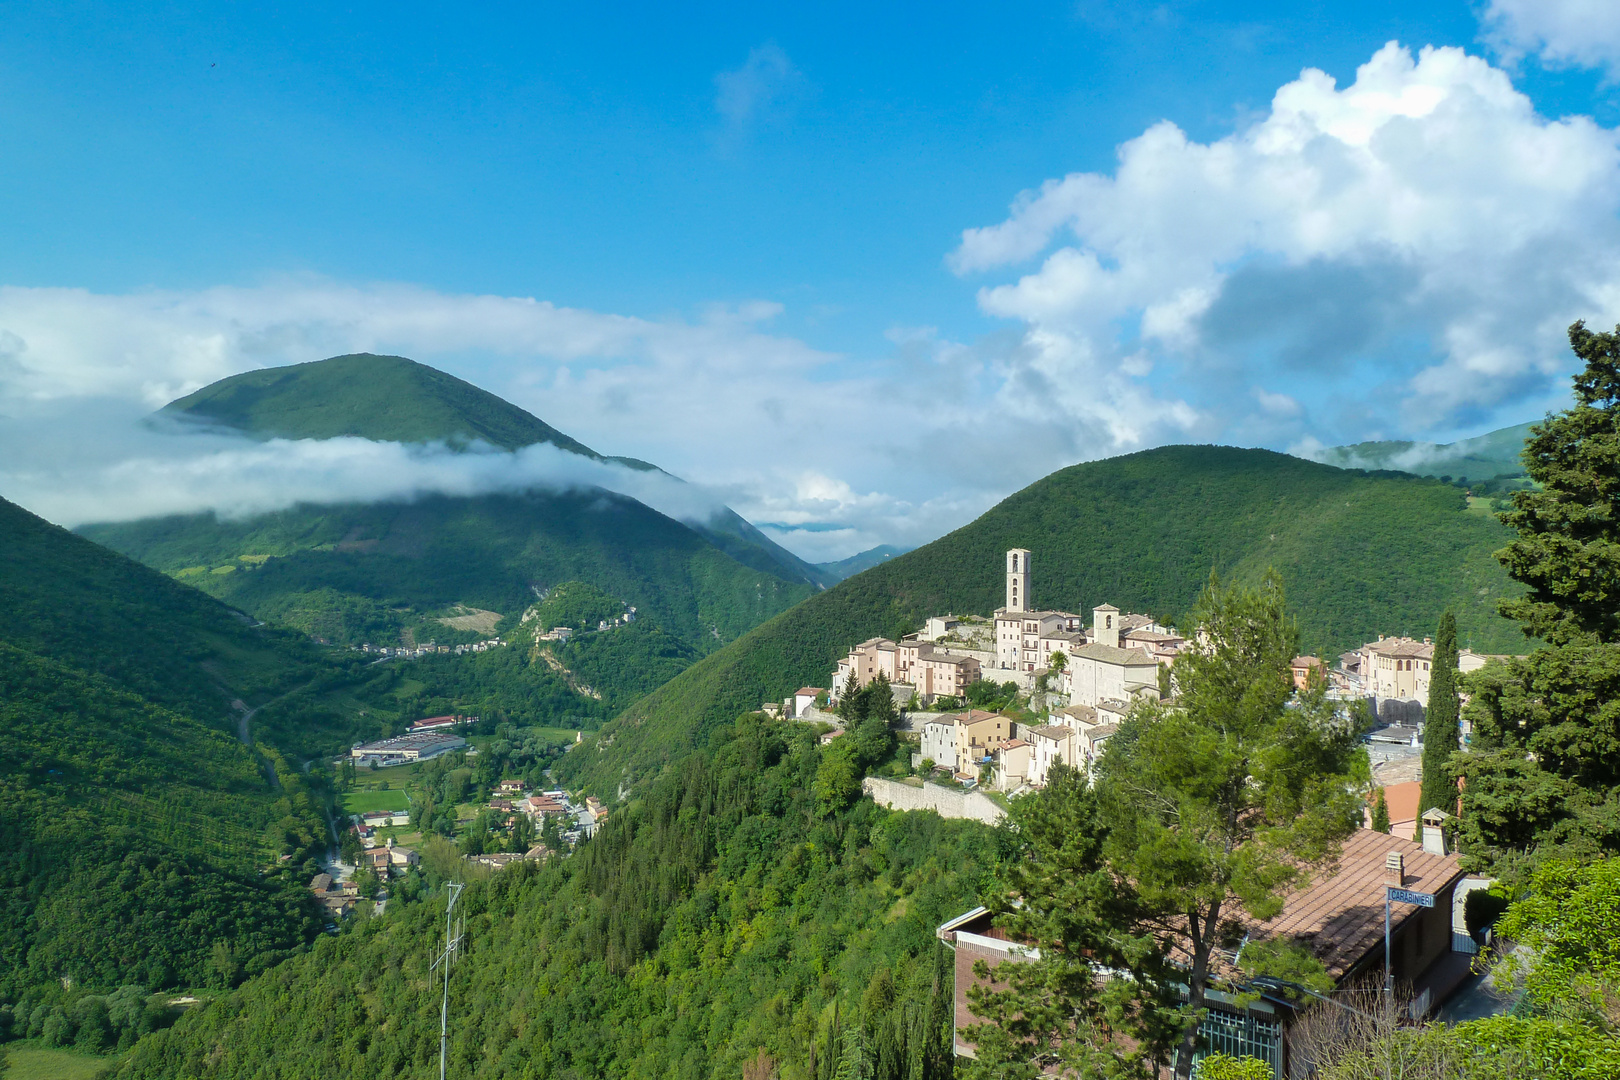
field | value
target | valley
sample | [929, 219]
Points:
[653, 822]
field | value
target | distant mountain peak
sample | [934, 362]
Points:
[1482, 457]
[383, 398]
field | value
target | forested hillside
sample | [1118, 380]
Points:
[1361, 554]
[377, 572]
[393, 399]
[709, 929]
[135, 829]
[452, 570]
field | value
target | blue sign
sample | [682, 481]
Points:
[1406, 896]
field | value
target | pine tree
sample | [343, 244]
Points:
[1380, 813]
[1542, 772]
[1440, 723]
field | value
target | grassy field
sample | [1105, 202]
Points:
[371, 801]
[30, 1061]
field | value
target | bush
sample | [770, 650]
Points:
[1222, 1067]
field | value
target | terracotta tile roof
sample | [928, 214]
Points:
[1108, 654]
[1340, 915]
[1013, 744]
[1402, 800]
[809, 691]
[1402, 647]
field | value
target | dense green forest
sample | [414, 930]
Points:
[137, 830]
[1361, 554]
[725, 918]
[356, 573]
[388, 398]
[87, 608]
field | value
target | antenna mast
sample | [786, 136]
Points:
[452, 942]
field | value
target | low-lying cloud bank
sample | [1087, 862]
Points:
[143, 473]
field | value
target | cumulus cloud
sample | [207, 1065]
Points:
[1577, 33]
[1407, 248]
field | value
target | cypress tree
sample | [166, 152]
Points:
[1380, 813]
[1440, 723]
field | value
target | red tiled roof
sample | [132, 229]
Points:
[1402, 800]
[1340, 915]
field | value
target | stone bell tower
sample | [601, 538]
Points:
[1018, 580]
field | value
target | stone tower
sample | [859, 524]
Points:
[1018, 580]
[1105, 625]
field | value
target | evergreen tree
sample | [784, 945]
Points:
[1543, 770]
[1222, 799]
[1380, 813]
[1440, 722]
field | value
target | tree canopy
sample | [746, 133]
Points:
[1543, 771]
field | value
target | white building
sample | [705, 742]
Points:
[401, 749]
[939, 742]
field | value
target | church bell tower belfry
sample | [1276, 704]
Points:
[1018, 580]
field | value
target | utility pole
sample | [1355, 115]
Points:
[452, 941]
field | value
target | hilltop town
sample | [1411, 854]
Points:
[1072, 683]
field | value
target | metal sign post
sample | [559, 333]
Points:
[1398, 896]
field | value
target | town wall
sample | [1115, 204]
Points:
[974, 805]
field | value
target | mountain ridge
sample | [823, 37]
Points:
[1360, 553]
[388, 398]
[1495, 454]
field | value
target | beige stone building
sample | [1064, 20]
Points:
[979, 735]
[933, 671]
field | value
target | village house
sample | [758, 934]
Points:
[1048, 746]
[1338, 916]
[1401, 800]
[939, 741]
[1302, 668]
[540, 807]
[511, 787]
[979, 735]
[1014, 760]
[804, 698]
[933, 672]
[389, 857]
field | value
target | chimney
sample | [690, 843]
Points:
[1395, 870]
[1434, 831]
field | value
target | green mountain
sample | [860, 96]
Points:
[1483, 457]
[865, 560]
[384, 573]
[1361, 554]
[453, 570]
[385, 398]
[138, 835]
[394, 399]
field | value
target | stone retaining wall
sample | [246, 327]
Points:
[942, 800]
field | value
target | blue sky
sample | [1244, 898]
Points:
[765, 209]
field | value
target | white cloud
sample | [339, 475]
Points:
[132, 471]
[761, 90]
[1579, 33]
[1416, 241]
[743, 413]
